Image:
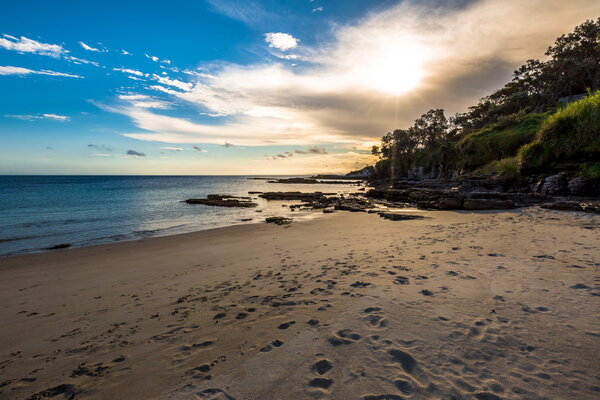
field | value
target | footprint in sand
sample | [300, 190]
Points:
[374, 319]
[345, 336]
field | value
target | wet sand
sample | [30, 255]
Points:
[487, 305]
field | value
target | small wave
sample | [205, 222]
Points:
[150, 232]
[14, 239]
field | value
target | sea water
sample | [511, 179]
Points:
[39, 212]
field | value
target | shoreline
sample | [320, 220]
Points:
[349, 305]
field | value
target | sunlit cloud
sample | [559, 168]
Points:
[374, 76]
[8, 70]
[26, 45]
[145, 101]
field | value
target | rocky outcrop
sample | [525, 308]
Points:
[484, 193]
[220, 200]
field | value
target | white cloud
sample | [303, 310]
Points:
[88, 48]
[8, 70]
[318, 9]
[61, 118]
[158, 60]
[25, 45]
[130, 71]
[144, 101]
[125, 52]
[185, 86]
[281, 41]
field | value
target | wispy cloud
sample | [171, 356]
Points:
[76, 60]
[89, 48]
[318, 9]
[26, 45]
[125, 52]
[247, 11]
[100, 147]
[281, 41]
[55, 117]
[201, 150]
[8, 70]
[176, 149]
[130, 71]
[135, 153]
[145, 101]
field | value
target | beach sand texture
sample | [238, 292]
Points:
[486, 305]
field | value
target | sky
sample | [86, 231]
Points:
[242, 87]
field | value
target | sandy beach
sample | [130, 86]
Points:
[461, 305]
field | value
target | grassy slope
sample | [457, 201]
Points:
[568, 138]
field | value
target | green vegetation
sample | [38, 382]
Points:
[569, 136]
[520, 129]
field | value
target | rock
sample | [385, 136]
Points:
[349, 207]
[487, 204]
[60, 246]
[293, 195]
[555, 184]
[394, 216]
[450, 203]
[577, 185]
[563, 206]
[278, 220]
[295, 180]
[218, 200]
[492, 195]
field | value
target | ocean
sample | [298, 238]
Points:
[39, 212]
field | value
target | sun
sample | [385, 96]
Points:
[394, 70]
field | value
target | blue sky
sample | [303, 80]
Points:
[247, 87]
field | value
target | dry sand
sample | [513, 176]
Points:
[348, 306]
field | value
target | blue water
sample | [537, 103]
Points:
[38, 212]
